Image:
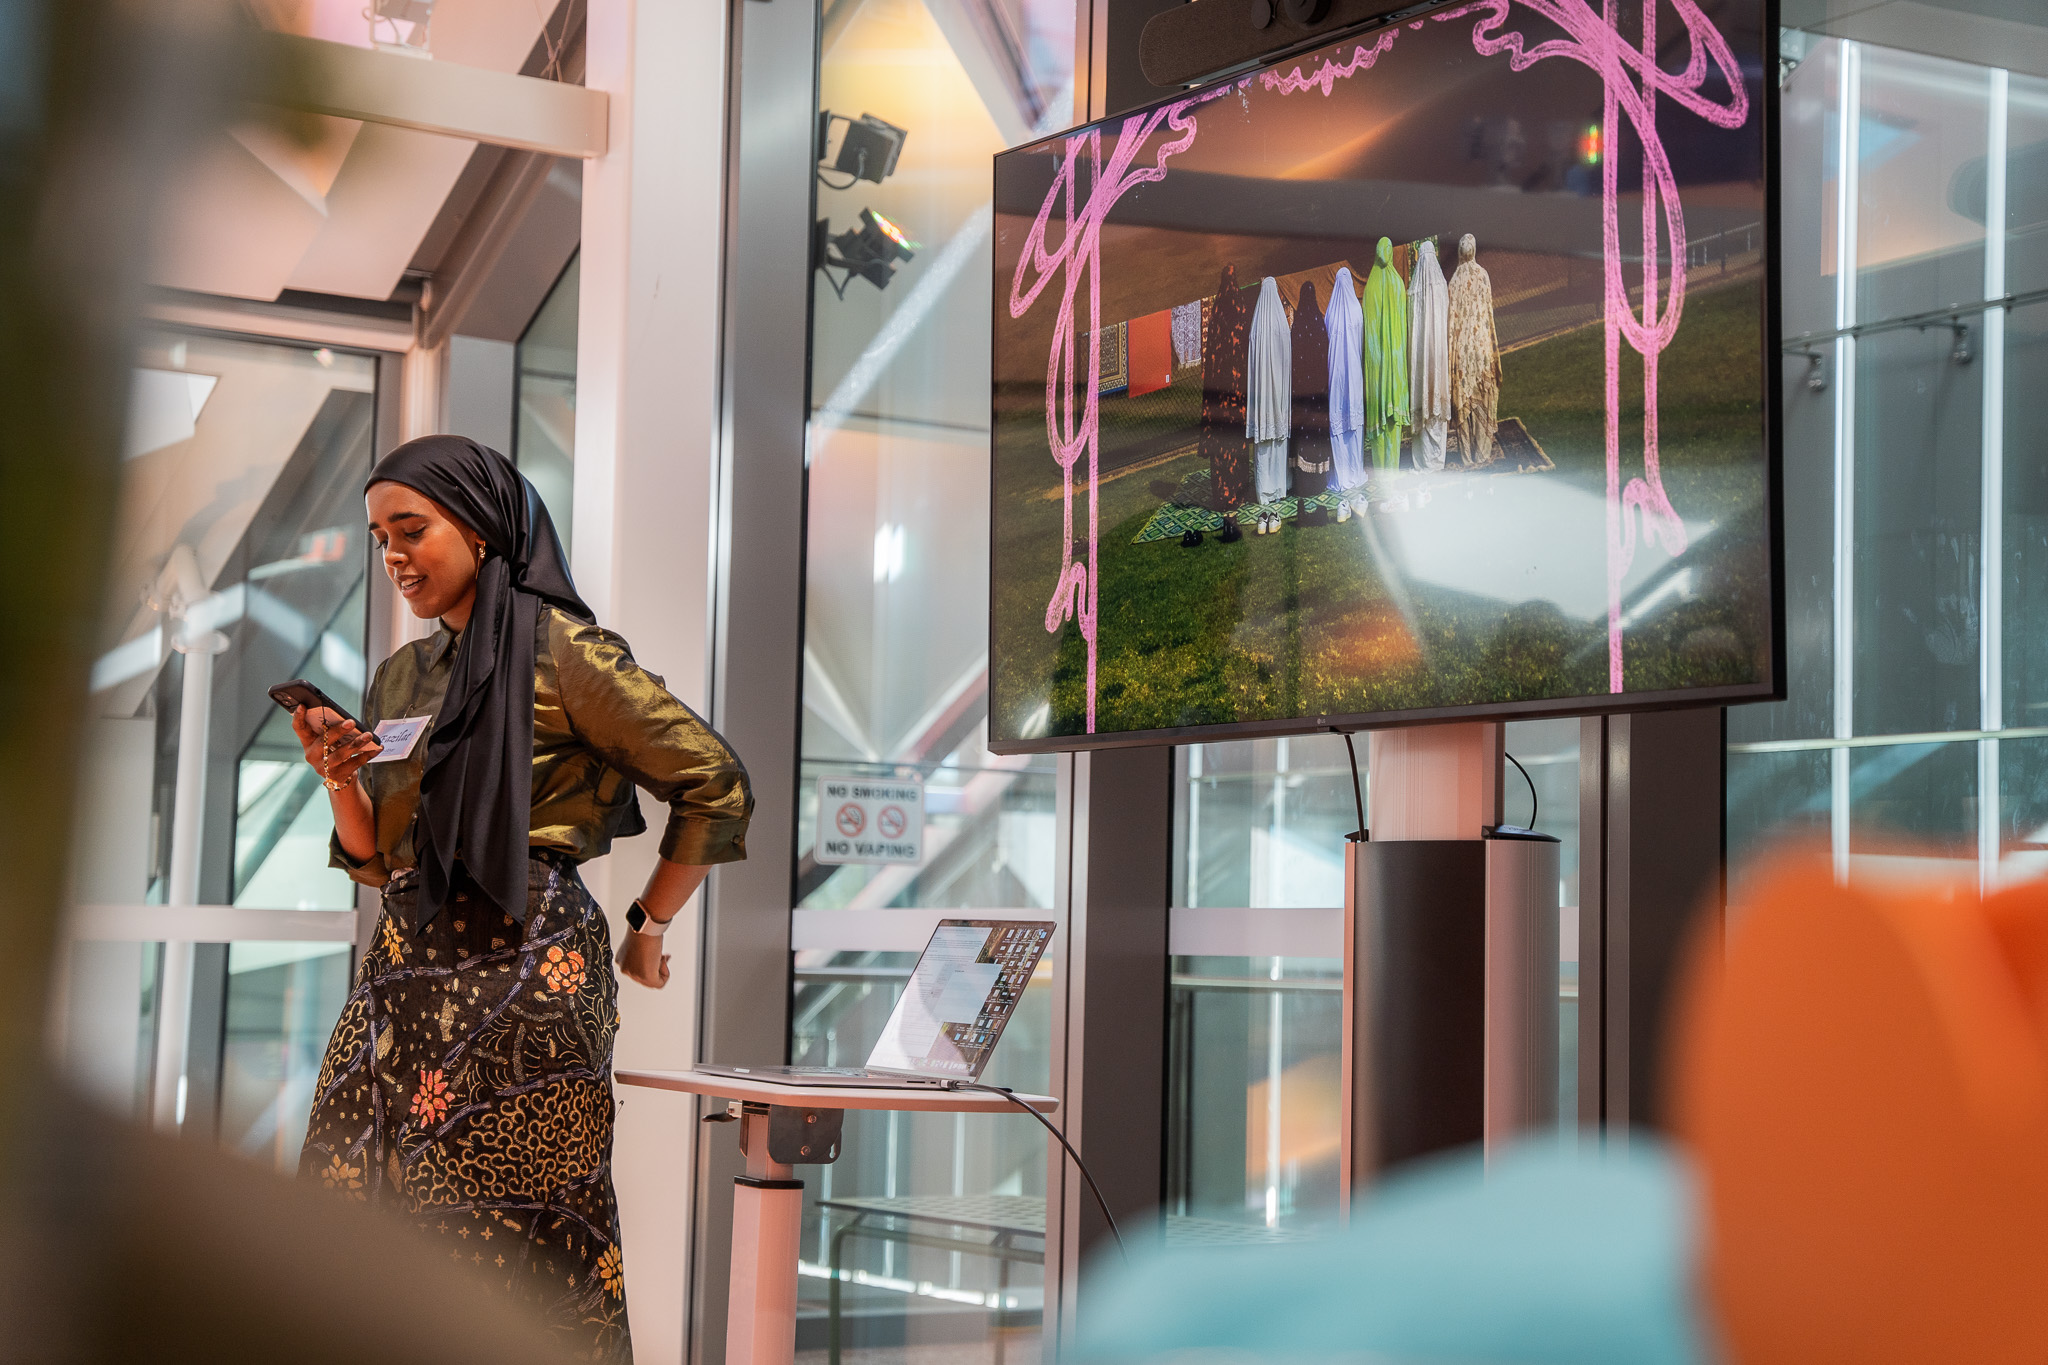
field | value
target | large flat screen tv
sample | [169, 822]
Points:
[1423, 376]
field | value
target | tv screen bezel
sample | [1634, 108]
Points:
[1601, 704]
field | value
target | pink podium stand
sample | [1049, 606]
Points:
[782, 1127]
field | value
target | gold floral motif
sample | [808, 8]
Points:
[612, 1272]
[341, 1177]
[394, 942]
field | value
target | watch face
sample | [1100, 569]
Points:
[636, 918]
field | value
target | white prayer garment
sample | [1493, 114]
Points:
[1269, 469]
[1345, 320]
[1269, 391]
[1429, 358]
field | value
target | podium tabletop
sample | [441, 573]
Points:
[907, 1098]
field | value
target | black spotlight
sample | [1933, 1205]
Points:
[867, 152]
[870, 251]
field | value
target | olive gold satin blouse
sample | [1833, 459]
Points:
[601, 726]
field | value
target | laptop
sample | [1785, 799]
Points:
[960, 995]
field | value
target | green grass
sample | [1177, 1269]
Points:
[1300, 623]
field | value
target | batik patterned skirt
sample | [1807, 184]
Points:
[468, 1089]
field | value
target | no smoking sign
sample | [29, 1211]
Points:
[864, 820]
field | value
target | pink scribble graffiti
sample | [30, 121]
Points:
[1078, 259]
[1632, 80]
[1329, 73]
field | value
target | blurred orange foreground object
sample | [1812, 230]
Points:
[1863, 1078]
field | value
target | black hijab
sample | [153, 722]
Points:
[476, 793]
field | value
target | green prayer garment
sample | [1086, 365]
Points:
[1386, 357]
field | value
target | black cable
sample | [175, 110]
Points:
[1534, 807]
[1357, 792]
[830, 186]
[1093, 1188]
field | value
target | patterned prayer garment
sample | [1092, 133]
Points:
[1309, 471]
[468, 1083]
[1474, 356]
[1345, 323]
[1270, 378]
[1223, 442]
[1187, 334]
[1429, 361]
[1386, 358]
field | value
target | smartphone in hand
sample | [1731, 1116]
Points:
[298, 692]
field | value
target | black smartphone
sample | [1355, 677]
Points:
[298, 692]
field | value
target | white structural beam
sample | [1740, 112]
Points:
[648, 331]
[437, 97]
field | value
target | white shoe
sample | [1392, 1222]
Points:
[1344, 510]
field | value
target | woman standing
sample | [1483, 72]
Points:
[468, 1082]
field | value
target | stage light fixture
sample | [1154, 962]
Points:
[870, 251]
[868, 151]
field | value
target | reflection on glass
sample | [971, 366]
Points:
[1254, 1090]
[283, 999]
[933, 1223]
[1922, 126]
[239, 561]
[1915, 808]
[544, 441]
[2025, 596]
[921, 97]
[1918, 559]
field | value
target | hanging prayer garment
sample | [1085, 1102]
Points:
[1429, 361]
[1187, 334]
[1474, 356]
[1270, 383]
[1345, 322]
[1308, 472]
[1386, 358]
[1223, 441]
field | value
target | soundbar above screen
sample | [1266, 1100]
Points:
[1348, 393]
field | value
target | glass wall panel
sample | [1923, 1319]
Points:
[1255, 1091]
[1775, 795]
[283, 999]
[1915, 800]
[1919, 440]
[2025, 590]
[917, 98]
[240, 562]
[2026, 197]
[927, 1236]
[544, 437]
[1923, 123]
[1936, 647]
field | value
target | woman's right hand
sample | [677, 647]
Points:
[334, 747]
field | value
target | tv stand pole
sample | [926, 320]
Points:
[1450, 946]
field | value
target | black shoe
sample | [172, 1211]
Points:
[1315, 516]
[1192, 538]
[1231, 532]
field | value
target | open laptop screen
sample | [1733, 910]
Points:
[959, 997]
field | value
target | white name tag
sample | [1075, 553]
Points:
[399, 736]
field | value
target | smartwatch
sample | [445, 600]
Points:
[640, 922]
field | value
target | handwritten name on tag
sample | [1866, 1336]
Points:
[399, 737]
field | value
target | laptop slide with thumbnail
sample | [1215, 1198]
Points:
[960, 995]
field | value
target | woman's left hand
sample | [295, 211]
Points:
[641, 959]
